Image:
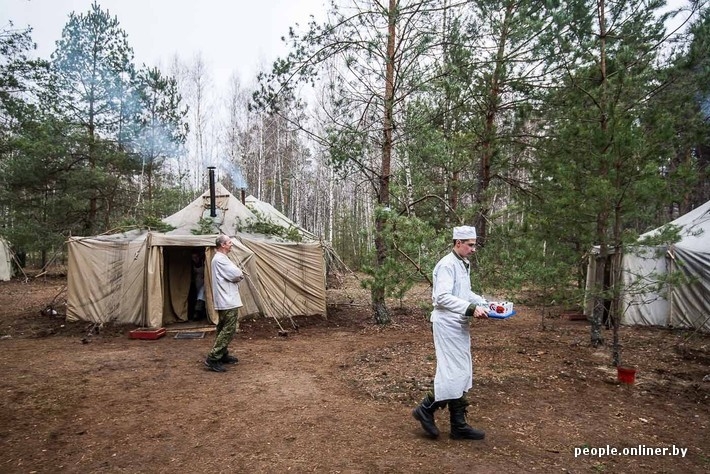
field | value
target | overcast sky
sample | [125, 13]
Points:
[241, 36]
[233, 36]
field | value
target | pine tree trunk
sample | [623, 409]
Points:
[596, 323]
[490, 142]
[379, 306]
[597, 338]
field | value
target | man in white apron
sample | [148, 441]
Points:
[454, 305]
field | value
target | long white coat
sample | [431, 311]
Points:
[225, 278]
[451, 298]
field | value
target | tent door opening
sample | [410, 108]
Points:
[183, 285]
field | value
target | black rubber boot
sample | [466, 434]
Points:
[459, 428]
[229, 359]
[214, 365]
[424, 413]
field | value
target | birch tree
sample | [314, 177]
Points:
[195, 89]
[378, 52]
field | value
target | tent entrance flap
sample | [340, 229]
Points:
[183, 274]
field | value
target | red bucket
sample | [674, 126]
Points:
[626, 375]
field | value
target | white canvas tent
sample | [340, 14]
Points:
[142, 277]
[5, 261]
[650, 302]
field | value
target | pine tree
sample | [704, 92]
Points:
[160, 127]
[92, 74]
[602, 159]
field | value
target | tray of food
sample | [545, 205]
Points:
[502, 310]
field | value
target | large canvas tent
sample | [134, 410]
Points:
[142, 277]
[649, 301]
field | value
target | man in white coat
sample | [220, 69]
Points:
[454, 305]
[225, 294]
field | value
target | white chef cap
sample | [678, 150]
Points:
[464, 232]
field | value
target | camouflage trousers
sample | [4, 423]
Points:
[454, 402]
[226, 327]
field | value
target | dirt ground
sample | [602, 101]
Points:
[336, 395]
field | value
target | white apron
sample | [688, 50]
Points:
[451, 297]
